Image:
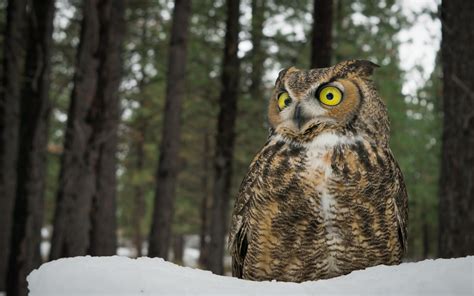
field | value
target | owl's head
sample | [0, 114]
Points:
[341, 99]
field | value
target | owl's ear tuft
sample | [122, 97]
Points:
[283, 73]
[362, 67]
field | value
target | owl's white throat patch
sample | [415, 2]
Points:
[322, 141]
[329, 140]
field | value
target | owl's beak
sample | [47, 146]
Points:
[299, 118]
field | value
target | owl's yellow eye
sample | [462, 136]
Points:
[330, 95]
[284, 100]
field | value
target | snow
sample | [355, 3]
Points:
[146, 276]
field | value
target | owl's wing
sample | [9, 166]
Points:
[238, 236]
[401, 206]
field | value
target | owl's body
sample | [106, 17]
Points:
[324, 196]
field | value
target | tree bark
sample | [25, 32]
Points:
[160, 234]
[339, 27]
[321, 36]
[34, 112]
[456, 203]
[257, 54]
[140, 127]
[13, 58]
[204, 231]
[225, 139]
[425, 236]
[105, 115]
[71, 220]
[87, 177]
[178, 249]
[139, 197]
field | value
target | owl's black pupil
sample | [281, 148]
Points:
[329, 96]
[287, 101]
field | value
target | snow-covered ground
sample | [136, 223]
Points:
[124, 276]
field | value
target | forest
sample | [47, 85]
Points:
[126, 127]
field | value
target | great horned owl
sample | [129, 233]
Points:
[325, 195]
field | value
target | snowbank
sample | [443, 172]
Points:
[124, 276]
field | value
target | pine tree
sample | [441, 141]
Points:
[13, 56]
[33, 134]
[105, 116]
[168, 167]
[225, 139]
[456, 202]
[321, 36]
[86, 194]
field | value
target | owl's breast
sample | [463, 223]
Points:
[315, 214]
[319, 179]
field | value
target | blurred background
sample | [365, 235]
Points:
[127, 126]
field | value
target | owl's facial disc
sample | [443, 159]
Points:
[307, 100]
[338, 99]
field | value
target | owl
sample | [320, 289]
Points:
[324, 196]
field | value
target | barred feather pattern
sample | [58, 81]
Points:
[315, 211]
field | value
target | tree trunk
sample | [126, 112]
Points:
[425, 236]
[160, 234]
[204, 231]
[257, 54]
[321, 36]
[339, 27]
[88, 162]
[141, 128]
[105, 115]
[139, 196]
[456, 221]
[178, 249]
[13, 57]
[71, 220]
[35, 107]
[225, 139]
